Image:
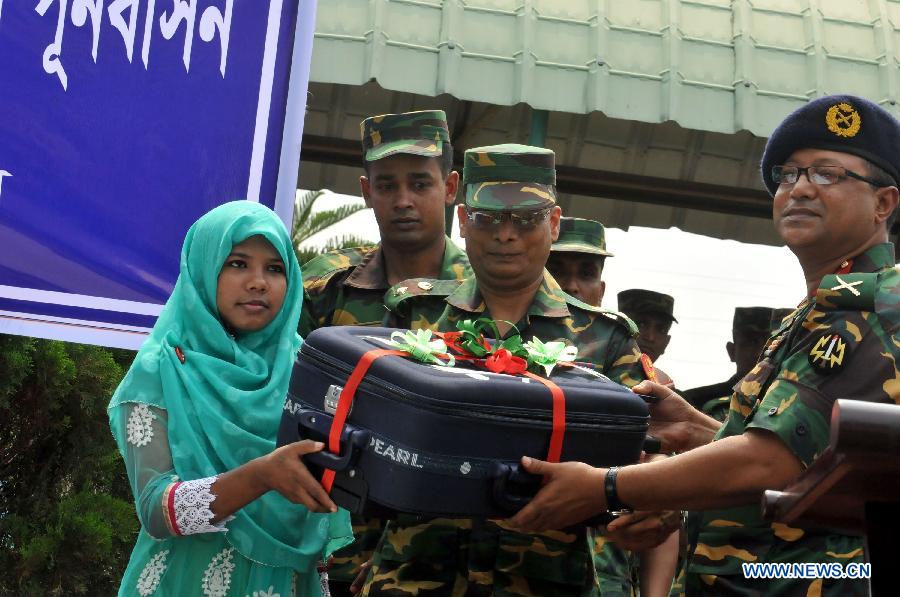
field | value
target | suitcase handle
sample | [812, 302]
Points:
[506, 474]
[513, 487]
[315, 425]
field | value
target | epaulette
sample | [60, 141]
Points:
[847, 292]
[616, 316]
[326, 264]
[418, 287]
[887, 296]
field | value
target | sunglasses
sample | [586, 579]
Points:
[488, 220]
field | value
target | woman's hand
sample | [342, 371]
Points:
[283, 471]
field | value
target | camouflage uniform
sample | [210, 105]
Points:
[613, 565]
[835, 345]
[838, 343]
[347, 286]
[714, 399]
[778, 316]
[443, 556]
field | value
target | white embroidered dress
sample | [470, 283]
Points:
[180, 551]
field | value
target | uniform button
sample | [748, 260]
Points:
[773, 411]
[801, 429]
[425, 285]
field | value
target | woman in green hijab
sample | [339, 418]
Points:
[222, 511]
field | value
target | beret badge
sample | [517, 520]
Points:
[843, 120]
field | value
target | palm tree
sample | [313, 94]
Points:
[306, 224]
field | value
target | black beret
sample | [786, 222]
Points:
[843, 123]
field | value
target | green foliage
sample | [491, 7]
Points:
[306, 224]
[67, 521]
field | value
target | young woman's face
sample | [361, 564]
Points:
[252, 285]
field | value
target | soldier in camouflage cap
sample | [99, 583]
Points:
[576, 263]
[421, 133]
[750, 328]
[831, 168]
[653, 307]
[408, 183]
[509, 222]
[653, 312]
[509, 177]
[577, 257]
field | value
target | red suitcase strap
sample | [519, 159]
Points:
[559, 417]
[345, 401]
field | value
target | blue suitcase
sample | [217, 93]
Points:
[446, 441]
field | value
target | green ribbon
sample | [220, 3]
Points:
[539, 355]
[514, 345]
[550, 354]
[421, 347]
[472, 335]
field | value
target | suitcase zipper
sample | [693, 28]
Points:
[526, 417]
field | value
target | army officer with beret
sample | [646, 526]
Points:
[832, 168]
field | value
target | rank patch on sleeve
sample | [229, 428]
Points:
[649, 370]
[829, 353]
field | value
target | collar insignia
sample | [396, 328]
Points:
[851, 286]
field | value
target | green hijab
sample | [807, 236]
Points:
[224, 403]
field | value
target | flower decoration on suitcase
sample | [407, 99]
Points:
[548, 355]
[421, 347]
[511, 356]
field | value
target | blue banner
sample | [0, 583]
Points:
[121, 122]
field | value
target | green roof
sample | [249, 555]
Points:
[711, 65]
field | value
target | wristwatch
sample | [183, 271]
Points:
[613, 504]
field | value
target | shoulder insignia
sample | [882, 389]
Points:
[622, 320]
[418, 287]
[847, 292]
[887, 295]
[333, 261]
[647, 364]
[581, 304]
[616, 316]
[829, 352]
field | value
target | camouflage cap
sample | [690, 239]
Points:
[638, 300]
[509, 177]
[417, 133]
[751, 320]
[578, 235]
[777, 316]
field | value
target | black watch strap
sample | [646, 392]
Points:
[613, 503]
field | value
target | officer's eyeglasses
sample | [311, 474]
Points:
[820, 175]
[487, 220]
